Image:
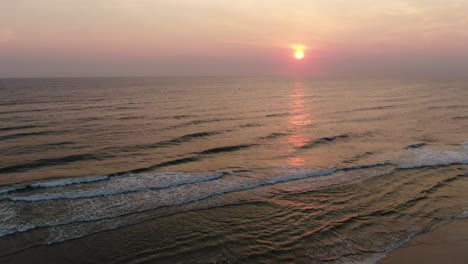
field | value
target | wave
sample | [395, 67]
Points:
[423, 193]
[189, 137]
[167, 143]
[37, 148]
[163, 164]
[91, 118]
[111, 196]
[89, 107]
[196, 156]
[126, 108]
[203, 121]
[420, 158]
[183, 116]
[463, 215]
[431, 158]
[375, 108]
[68, 182]
[358, 157]
[106, 213]
[250, 125]
[465, 145]
[130, 184]
[365, 109]
[135, 176]
[323, 140]
[18, 127]
[448, 107]
[278, 115]
[51, 162]
[414, 146]
[21, 135]
[22, 111]
[225, 149]
[216, 176]
[367, 166]
[134, 117]
[274, 135]
[57, 183]
[12, 189]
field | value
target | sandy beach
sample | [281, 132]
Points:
[446, 244]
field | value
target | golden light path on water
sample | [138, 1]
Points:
[298, 118]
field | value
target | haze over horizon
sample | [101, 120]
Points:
[58, 38]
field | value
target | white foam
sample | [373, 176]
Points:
[282, 179]
[463, 215]
[3, 191]
[20, 230]
[131, 203]
[393, 247]
[121, 185]
[465, 145]
[428, 158]
[136, 193]
[147, 182]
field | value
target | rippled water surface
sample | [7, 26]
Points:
[237, 170]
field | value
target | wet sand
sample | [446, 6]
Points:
[446, 244]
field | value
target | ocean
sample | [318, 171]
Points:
[227, 169]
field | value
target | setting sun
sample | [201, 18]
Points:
[299, 51]
[299, 54]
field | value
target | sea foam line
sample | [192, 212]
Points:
[35, 198]
[195, 199]
[251, 186]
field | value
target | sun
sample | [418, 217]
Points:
[299, 54]
[299, 51]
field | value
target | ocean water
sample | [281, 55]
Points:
[229, 170]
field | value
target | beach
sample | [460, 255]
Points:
[446, 244]
[178, 131]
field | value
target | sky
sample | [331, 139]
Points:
[66, 38]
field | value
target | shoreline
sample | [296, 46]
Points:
[447, 243]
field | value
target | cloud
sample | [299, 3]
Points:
[7, 35]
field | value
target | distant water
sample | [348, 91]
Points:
[234, 170]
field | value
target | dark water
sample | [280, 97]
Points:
[231, 170]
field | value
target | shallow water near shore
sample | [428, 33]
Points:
[227, 169]
[445, 244]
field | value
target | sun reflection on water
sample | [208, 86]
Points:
[298, 118]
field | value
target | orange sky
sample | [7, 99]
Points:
[208, 37]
